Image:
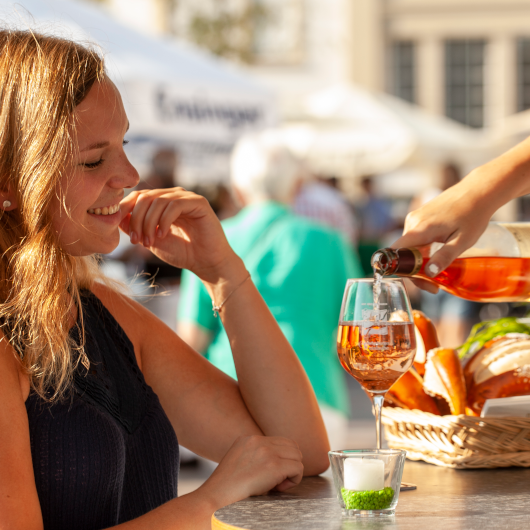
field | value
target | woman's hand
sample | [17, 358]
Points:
[253, 466]
[457, 218]
[180, 228]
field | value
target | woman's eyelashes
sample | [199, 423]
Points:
[93, 165]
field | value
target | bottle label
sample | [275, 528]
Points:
[410, 261]
[521, 233]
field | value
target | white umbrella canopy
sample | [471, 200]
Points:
[346, 131]
[173, 93]
[439, 138]
[350, 132]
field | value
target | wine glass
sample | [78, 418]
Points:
[376, 342]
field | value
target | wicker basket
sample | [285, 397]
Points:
[460, 442]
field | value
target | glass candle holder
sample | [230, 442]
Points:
[367, 481]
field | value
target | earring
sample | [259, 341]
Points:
[6, 204]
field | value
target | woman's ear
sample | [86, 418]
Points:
[8, 201]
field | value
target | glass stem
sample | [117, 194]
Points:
[377, 400]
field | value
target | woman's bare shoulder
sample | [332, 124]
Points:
[19, 503]
[11, 369]
[118, 303]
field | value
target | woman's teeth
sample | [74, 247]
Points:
[107, 210]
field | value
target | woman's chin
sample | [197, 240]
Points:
[106, 247]
[96, 246]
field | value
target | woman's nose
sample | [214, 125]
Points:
[126, 175]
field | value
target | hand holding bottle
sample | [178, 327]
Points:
[453, 218]
[460, 214]
[494, 269]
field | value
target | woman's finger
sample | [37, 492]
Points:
[152, 218]
[127, 203]
[294, 471]
[289, 453]
[168, 217]
[124, 223]
[425, 285]
[138, 213]
[190, 205]
[443, 257]
[424, 235]
[286, 484]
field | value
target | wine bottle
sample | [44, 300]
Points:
[495, 269]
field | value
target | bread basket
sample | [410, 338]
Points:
[459, 442]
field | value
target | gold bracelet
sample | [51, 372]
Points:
[217, 308]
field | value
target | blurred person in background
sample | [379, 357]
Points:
[452, 316]
[220, 199]
[299, 267]
[322, 201]
[376, 223]
[163, 171]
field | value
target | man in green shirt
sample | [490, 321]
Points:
[299, 267]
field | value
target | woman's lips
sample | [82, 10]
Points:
[106, 210]
[111, 218]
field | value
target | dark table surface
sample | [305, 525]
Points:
[445, 499]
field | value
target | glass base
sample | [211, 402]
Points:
[369, 513]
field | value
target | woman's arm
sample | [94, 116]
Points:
[194, 336]
[19, 503]
[460, 214]
[271, 379]
[253, 465]
[181, 229]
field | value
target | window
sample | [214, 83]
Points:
[523, 74]
[279, 39]
[403, 63]
[464, 81]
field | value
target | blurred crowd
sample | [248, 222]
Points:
[300, 237]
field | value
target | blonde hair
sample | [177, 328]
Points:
[43, 79]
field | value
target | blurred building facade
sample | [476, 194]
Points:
[465, 59]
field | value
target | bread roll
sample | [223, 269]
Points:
[426, 339]
[499, 355]
[507, 384]
[444, 378]
[407, 392]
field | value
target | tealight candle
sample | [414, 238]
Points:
[364, 474]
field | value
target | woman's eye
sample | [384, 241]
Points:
[92, 165]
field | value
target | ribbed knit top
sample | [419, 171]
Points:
[108, 453]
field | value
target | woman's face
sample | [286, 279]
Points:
[93, 185]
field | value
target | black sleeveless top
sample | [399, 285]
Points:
[108, 453]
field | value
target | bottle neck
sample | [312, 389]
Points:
[401, 261]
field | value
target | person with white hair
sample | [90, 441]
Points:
[299, 267]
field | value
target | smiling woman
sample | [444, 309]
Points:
[94, 180]
[36, 138]
[94, 389]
